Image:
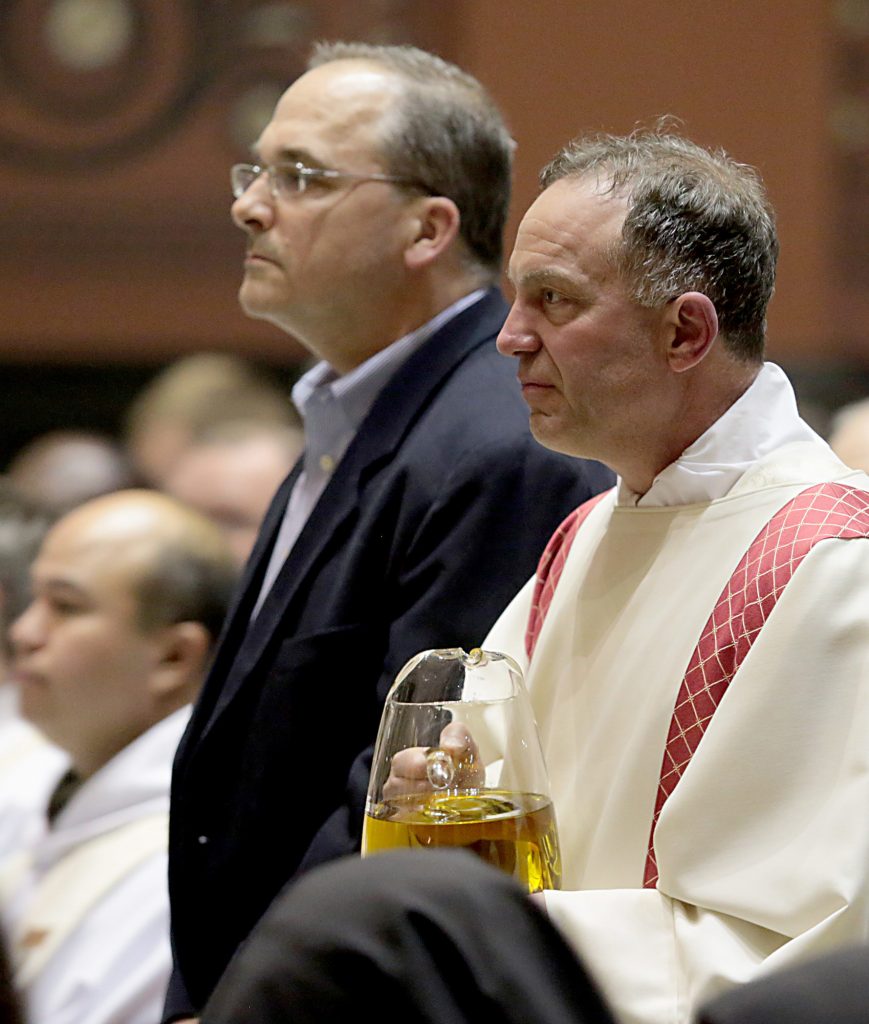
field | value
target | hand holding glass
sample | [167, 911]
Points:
[458, 763]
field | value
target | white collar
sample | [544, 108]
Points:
[134, 783]
[761, 420]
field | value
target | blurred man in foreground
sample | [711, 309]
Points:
[129, 592]
[373, 210]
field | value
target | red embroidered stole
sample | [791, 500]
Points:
[821, 512]
[550, 568]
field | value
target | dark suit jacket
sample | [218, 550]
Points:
[833, 989]
[432, 521]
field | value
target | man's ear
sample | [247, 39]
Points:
[433, 229]
[180, 660]
[693, 327]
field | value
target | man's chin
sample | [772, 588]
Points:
[254, 303]
[545, 431]
[34, 712]
[548, 432]
[260, 304]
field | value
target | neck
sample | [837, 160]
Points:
[691, 415]
[388, 318]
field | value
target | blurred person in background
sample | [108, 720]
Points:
[191, 398]
[231, 475]
[29, 765]
[128, 593]
[63, 468]
[849, 434]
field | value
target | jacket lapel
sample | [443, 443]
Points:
[393, 414]
[237, 618]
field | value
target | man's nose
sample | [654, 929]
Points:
[25, 633]
[517, 335]
[254, 209]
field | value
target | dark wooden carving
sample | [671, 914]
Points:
[118, 122]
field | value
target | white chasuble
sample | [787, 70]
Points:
[763, 847]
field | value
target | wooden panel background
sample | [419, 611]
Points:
[119, 119]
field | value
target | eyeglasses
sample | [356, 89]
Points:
[288, 180]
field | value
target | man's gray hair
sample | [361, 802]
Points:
[446, 134]
[696, 221]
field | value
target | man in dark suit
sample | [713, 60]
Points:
[374, 219]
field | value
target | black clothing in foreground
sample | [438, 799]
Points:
[422, 937]
[833, 989]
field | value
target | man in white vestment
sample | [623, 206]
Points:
[129, 592]
[642, 274]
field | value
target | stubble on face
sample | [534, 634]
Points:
[317, 260]
[586, 349]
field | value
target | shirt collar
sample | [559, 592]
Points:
[333, 406]
[355, 391]
[761, 420]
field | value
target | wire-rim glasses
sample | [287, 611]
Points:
[291, 179]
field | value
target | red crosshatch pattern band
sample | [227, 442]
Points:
[823, 512]
[550, 568]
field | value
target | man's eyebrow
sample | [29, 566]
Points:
[289, 155]
[546, 276]
[60, 585]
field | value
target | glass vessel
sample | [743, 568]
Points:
[458, 763]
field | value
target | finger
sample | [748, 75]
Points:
[407, 773]
[395, 787]
[457, 740]
[409, 763]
